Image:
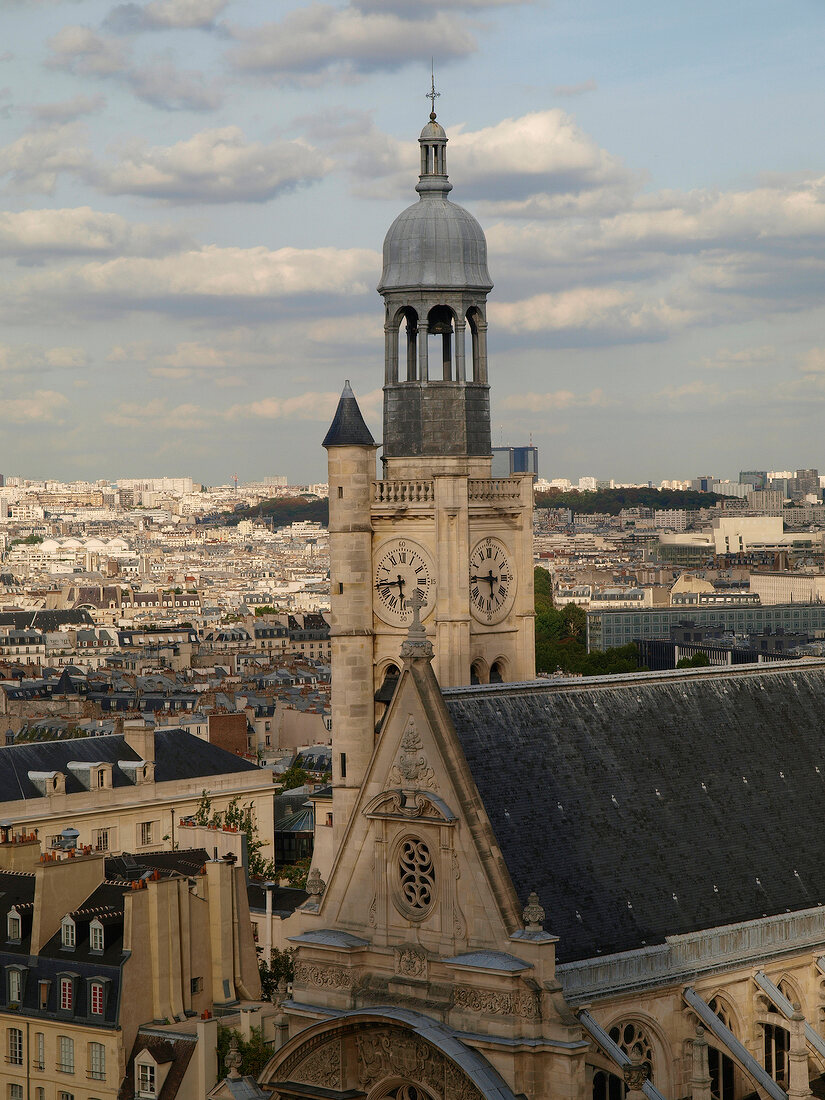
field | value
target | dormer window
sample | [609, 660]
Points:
[96, 936]
[67, 932]
[15, 986]
[14, 926]
[145, 1079]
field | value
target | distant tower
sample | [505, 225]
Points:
[435, 284]
[351, 465]
[437, 525]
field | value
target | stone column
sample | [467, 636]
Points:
[482, 351]
[390, 354]
[798, 1083]
[460, 368]
[423, 364]
[700, 1079]
[412, 371]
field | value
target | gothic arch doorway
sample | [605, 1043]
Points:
[374, 1052]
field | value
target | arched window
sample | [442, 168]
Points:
[630, 1034]
[478, 673]
[410, 337]
[607, 1086]
[777, 1045]
[497, 672]
[440, 325]
[722, 1068]
[473, 319]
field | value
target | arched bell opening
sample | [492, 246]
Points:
[498, 672]
[478, 672]
[478, 335]
[440, 328]
[407, 320]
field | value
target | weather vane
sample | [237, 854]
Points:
[432, 95]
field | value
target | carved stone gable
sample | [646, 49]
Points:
[362, 1055]
[412, 769]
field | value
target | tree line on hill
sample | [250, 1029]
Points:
[613, 501]
[286, 510]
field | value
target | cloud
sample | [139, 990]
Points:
[34, 161]
[813, 361]
[157, 416]
[698, 392]
[158, 81]
[165, 15]
[413, 8]
[25, 359]
[38, 234]
[69, 110]
[569, 90]
[541, 154]
[322, 42]
[610, 312]
[214, 166]
[555, 401]
[84, 52]
[725, 359]
[42, 406]
[306, 406]
[211, 280]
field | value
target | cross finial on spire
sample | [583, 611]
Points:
[432, 95]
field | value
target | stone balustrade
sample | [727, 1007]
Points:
[402, 492]
[495, 488]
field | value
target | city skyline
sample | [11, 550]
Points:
[196, 192]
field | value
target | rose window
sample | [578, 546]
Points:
[630, 1035]
[416, 877]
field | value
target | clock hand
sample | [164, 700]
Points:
[388, 584]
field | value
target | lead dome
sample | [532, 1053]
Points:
[435, 242]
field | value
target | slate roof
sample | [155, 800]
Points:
[178, 755]
[665, 805]
[132, 865]
[173, 1047]
[348, 428]
[285, 899]
[46, 620]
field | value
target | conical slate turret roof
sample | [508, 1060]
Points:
[348, 428]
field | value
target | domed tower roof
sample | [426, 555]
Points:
[434, 242]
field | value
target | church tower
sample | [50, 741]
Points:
[435, 529]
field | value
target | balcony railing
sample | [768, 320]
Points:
[402, 492]
[96, 1074]
[65, 1067]
[495, 488]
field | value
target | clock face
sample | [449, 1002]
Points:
[403, 569]
[492, 581]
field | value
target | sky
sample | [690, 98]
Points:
[195, 194]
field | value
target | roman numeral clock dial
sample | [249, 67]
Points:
[492, 581]
[402, 569]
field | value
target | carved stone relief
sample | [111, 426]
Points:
[522, 1002]
[373, 1053]
[322, 1068]
[330, 977]
[412, 769]
[410, 962]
